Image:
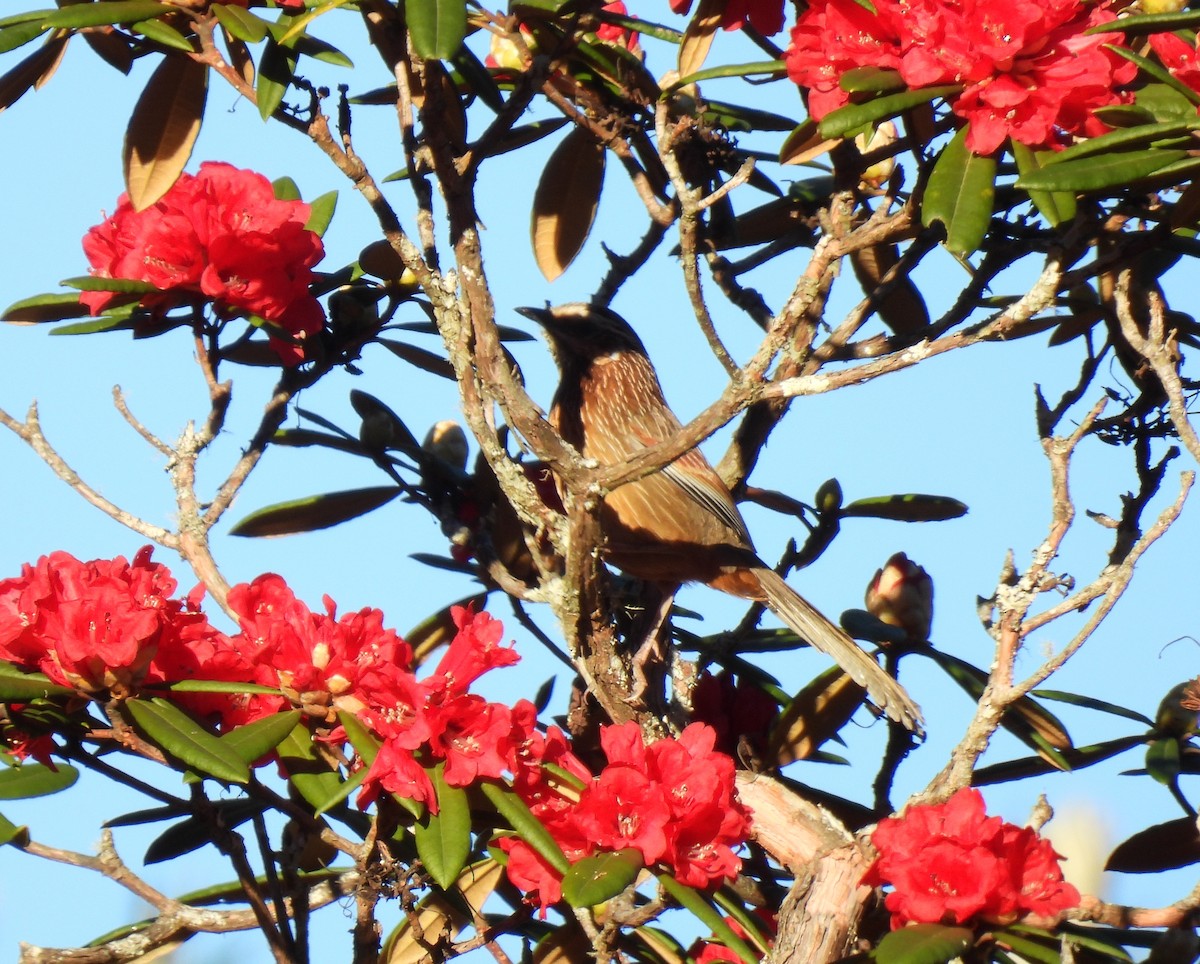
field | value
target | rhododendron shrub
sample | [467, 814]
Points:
[1027, 70]
[950, 863]
[765, 16]
[218, 237]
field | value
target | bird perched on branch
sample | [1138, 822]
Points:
[679, 524]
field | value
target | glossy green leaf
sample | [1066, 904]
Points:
[1145, 23]
[923, 944]
[759, 68]
[11, 833]
[444, 838]
[1034, 951]
[740, 118]
[109, 321]
[89, 282]
[703, 910]
[365, 743]
[240, 23]
[960, 194]
[513, 809]
[1119, 140]
[478, 79]
[313, 512]
[197, 831]
[17, 686]
[320, 50]
[163, 33]
[1162, 760]
[170, 728]
[437, 27]
[1164, 846]
[276, 68]
[871, 80]
[1152, 68]
[1164, 103]
[98, 14]
[285, 189]
[38, 309]
[20, 34]
[321, 212]
[35, 780]
[847, 120]
[1076, 757]
[593, 880]
[298, 23]
[311, 776]
[255, 740]
[1057, 207]
[910, 507]
[1092, 703]
[217, 686]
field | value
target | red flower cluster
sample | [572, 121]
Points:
[219, 236]
[765, 16]
[1028, 69]
[950, 863]
[105, 624]
[674, 801]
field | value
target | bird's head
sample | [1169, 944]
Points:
[579, 331]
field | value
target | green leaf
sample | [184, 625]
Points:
[98, 14]
[1145, 23]
[759, 68]
[1153, 68]
[276, 68]
[320, 50]
[1162, 760]
[1165, 846]
[164, 34]
[217, 686]
[106, 322]
[35, 780]
[89, 282]
[437, 27]
[1056, 207]
[298, 23]
[872, 80]
[593, 880]
[703, 910]
[1029, 949]
[909, 507]
[285, 189]
[1076, 757]
[37, 309]
[313, 512]
[312, 777]
[365, 743]
[321, 212]
[20, 34]
[240, 23]
[179, 735]
[444, 838]
[254, 740]
[478, 79]
[11, 833]
[923, 944]
[960, 194]
[848, 119]
[513, 809]
[17, 686]
[1095, 173]
[1091, 703]
[137, 818]
[420, 358]
[193, 833]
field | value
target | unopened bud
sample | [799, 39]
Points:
[1179, 712]
[448, 442]
[507, 54]
[901, 594]
[877, 174]
[1162, 6]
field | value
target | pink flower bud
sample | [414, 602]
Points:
[901, 594]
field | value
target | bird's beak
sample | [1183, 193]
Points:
[543, 316]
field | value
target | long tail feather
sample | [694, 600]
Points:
[807, 622]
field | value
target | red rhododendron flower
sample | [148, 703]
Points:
[1179, 57]
[950, 863]
[765, 16]
[220, 235]
[620, 36]
[1028, 69]
[674, 801]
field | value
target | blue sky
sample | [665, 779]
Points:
[960, 425]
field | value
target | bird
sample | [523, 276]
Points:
[680, 524]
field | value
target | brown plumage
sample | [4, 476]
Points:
[679, 524]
